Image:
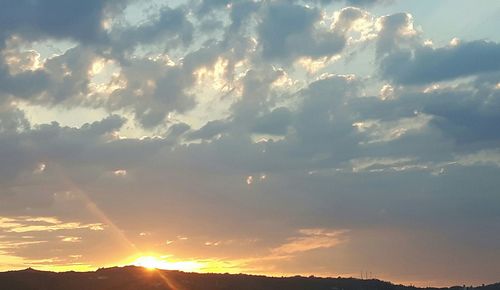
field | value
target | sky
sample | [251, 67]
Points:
[311, 137]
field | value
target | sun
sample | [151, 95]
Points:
[152, 262]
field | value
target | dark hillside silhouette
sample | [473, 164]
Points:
[136, 278]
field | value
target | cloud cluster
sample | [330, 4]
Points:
[245, 142]
[406, 61]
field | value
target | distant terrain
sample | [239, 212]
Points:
[136, 278]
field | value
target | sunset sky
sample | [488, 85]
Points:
[312, 137]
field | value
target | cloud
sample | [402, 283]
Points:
[169, 26]
[274, 123]
[161, 89]
[356, 3]
[42, 224]
[395, 31]
[207, 6]
[425, 64]
[60, 78]
[240, 12]
[311, 239]
[482, 157]
[57, 19]
[209, 130]
[288, 31]
[393, 138]
[406, 60]
[365, 2]
[12, 120]
[24, 84]
[24, 240]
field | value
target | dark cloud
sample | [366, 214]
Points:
[427, 65]
[240, 12]
[69, 75]
[12, 120]
[81, 21]
[162, 89]
[396, 31]
[98, 128]
[287, 31]
[323, 123]
[12, 123]
[274, 123]
[62, 78]
[176, 131]
[404, 60]
[25, 84]
[468, 116]
[170, 28]
[30, 146]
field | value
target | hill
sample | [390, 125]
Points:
[136, 278]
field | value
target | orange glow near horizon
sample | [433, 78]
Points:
[167, 262]
[152, 262]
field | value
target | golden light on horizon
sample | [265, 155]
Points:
[152, 262]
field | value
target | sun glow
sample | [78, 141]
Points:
[151, 262]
